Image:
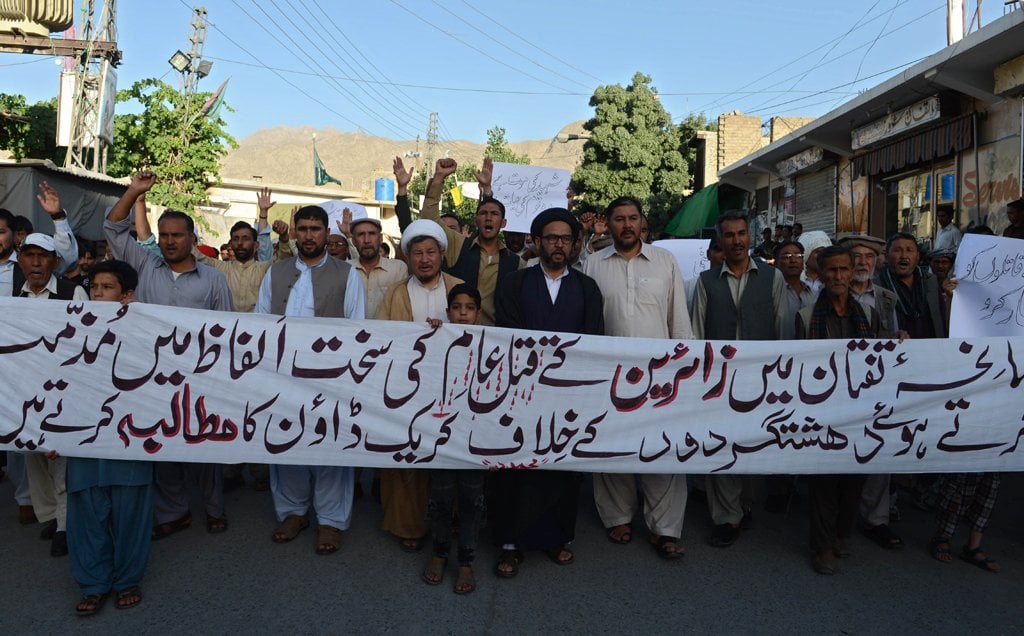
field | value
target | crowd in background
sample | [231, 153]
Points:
[577, 270]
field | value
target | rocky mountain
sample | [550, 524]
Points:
[285, 154]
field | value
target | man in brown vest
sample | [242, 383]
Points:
[312, 284]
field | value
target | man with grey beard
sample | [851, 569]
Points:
[865, 249]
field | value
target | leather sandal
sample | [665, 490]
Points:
[289, 529]
[90, 604]
[328, 540]
[167, 529]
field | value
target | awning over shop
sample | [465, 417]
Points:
[697, 212]
[938, 141]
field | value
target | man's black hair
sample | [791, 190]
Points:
[830, 251]
[731, 215]
[786, 243]
[467, 289]
[451, 215]
[490, 199]
[22, 224]
[242, 225]
[176, 214]
[126, 275]
[312, 212]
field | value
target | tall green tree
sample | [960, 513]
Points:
[172, 138]
[35, 138]
[634, 150]
[498, 149]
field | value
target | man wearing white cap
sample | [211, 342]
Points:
[37, 262]
[812, 242]
[404, 492]
[483, 260]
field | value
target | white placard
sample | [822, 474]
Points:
[690, 254]
[335, 212]
[989, 299]
[526, 191]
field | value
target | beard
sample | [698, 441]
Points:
[314, 252]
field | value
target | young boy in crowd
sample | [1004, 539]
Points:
[110, 502]
[451, 487]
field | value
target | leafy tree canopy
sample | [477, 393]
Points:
[183, 156]
[635, 149]
[32, 139]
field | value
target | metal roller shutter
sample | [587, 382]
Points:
[814, 201]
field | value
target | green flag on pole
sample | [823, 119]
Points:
[696, 213]
[320, 176]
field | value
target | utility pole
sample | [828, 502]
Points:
[95, 87]
[197, 67]
[431, 145]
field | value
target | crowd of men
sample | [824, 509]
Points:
[575, 273]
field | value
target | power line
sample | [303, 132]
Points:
[841, 38]
[463, 89]
[274, 71]
[337, 28]
[478, 50]
[545, 52]
[384, 102]
[373, 113]
[855, 49]
[785, 65]
[335, 85]
[505, 46]
[888, 70]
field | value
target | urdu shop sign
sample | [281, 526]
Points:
[897, 122]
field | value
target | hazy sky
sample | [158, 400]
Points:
[526, 65]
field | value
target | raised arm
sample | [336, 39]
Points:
[63, 238]
[116, 229]
[483, 178]
[402, 178]
[435, 188]
[266, 246]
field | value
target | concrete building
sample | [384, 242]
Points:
[945, 132]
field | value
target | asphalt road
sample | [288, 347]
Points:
[200, 583]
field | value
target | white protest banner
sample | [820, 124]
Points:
[989, 299]
[526, 191]
[691, 255]
[162, 383]
[336, 211]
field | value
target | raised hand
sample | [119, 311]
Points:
[142, 182]
[49, 199]
[484, 174]
[402, 176]
[600, 225]
[443, 168]
[280, 228]
[263, 199]
[346, 221]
